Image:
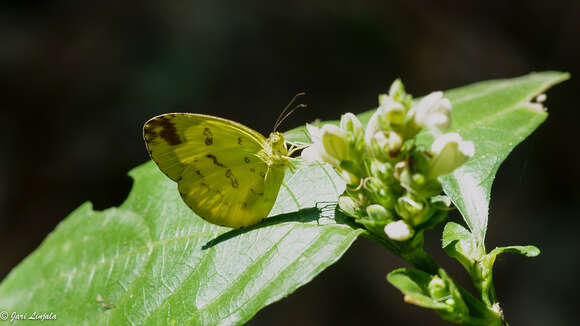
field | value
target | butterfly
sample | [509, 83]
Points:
[227, 173]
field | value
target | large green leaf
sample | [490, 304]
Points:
[153, 262]
[496, 115]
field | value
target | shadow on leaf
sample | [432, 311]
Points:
[325, 213]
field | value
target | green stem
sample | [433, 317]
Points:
[481, 313]
[412, 252]
[420, 259]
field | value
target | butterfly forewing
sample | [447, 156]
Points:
[215, 163]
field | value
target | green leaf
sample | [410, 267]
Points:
[153, 262]
[460, 244]
[496, 115]
[437, 292]
[454, 232]
[528, 251]
[414, 284]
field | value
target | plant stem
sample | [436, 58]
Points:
[420, 259]
[413, 252]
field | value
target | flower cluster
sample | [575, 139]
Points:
[391, 175]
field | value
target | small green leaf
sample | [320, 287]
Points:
[153, 262]
[414, 284]
[460, 244]
[482, 272]
[528, 251]
[437, 292]
[455, 232]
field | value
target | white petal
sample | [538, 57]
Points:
[334, 142]
[311, 153]
[441, 141]
[314, 132]
[398, 231]
[450, 151]
[372, 128]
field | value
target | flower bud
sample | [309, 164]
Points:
[376, 123]
[411, 210]
[378, 213]
[433, 111]
[383, 171]
[379, 193]
[349, 177]
[399, 168]
[335, 142]
[399, 231]
[351, 124]
[392, 110]
[385, 144]
[316, 151]
[449, 152]
[383, 98]
[349, 206]
[437, 288]
[418, 179]
[397, 90]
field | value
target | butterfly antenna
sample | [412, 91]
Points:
[285, 113]
[289, 113]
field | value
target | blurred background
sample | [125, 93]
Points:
[79, 79]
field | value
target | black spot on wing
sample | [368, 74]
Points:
[166, 128]
[215, 160]
[198, 172]
[232, 178]
[256, 193]
[208, 136]
[239, 140]
[246, 159]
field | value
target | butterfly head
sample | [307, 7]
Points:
[277, 145]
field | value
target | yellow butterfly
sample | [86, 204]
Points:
[227, 173]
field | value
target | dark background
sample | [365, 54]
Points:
[79, 79]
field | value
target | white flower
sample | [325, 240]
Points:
[335, 142]
[351, 124]
[385, 143]
[399, 231]
[433, 111]
[392, 110]
[449, 152]
[329, 144]
[372, 128]
[377, 212]
[316, 152]
[348, 205]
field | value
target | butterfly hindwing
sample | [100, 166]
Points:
[215, 163]
[234, 195]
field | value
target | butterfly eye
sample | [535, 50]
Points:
[276, 138]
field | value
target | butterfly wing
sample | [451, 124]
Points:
[215, 163]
